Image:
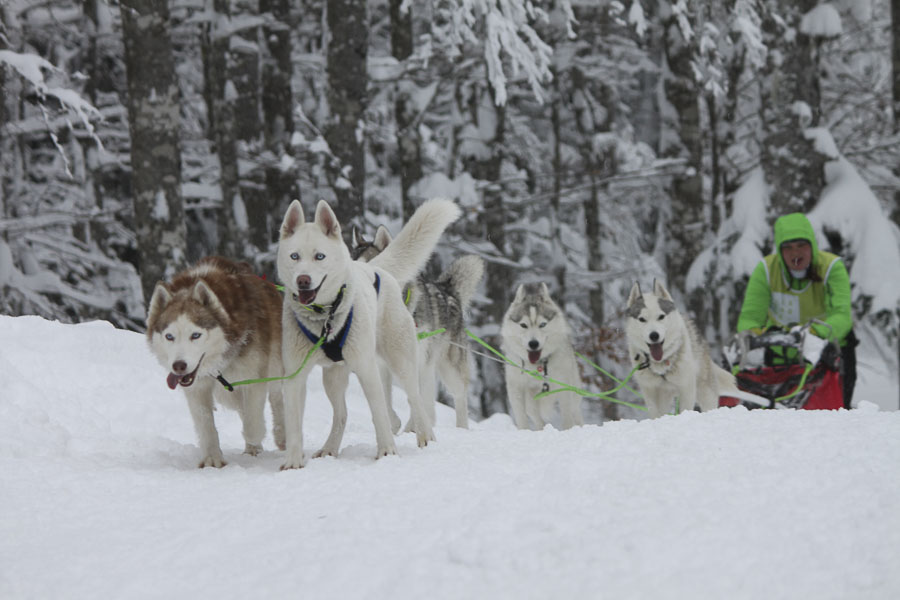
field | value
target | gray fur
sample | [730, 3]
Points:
[635, 308]
[682, 366]
[533, 336]
[666, 305]
[439, 304]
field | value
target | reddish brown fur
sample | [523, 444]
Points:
[248, 301]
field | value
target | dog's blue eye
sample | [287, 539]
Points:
[320, 256]
[195, 336]
[295, 256]
[544, 324]
[170, 337]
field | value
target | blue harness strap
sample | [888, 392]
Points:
[334, 348]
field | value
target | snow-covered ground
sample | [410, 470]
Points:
[100, 497]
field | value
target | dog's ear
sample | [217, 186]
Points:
[382, 238]
[660, 290]
[203, 294]
[158, 302]
[358, 239]
[293, 218]
[520, 293]
[635, 293]
[327, 221]
[545, 291]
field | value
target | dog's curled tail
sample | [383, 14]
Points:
[463, 276]
[409, 251]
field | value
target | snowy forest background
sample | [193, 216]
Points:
[591, 144]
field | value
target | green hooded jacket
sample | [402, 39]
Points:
[775, 297]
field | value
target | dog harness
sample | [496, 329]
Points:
[334, 348]
[544, 372]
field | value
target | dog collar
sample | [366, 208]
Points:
[319, 308]
[543, 371]
[334, 348]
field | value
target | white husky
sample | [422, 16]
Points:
[435, 304]
[359, 309]
[673, 359]
[536, 336]
[217, 320]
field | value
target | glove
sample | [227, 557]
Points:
[812, 349]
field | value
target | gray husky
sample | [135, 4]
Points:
[673, 359]
[438, 304]
[536, 336]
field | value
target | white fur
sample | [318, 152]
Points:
[684, 369]
[207, 351]
[439, 356]
[381, 326]
[551, 338]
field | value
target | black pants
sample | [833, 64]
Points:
[848, 367]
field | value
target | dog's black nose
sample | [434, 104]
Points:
[303, 282]
[654, 337]
[179, 366]
[533, 344]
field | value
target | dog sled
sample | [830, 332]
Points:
[772, 366]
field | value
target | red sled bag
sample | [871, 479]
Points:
[776, 372]
[822, 390]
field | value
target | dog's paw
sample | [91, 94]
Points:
[326, 451]
[386, 451]
[294, 460]
[211, 461]
[424, 439]
[252, 449]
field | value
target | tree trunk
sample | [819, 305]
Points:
[559, 256]
[347, 100]
[409, 150]
[895, 64]
[687, 226]
[793, 169]
[221, 96]
[278, 111]
[154, 120]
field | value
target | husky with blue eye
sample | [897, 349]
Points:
[672, 359]
[357, 310]
[218, 320]
[537, 337]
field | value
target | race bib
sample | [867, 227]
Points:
[785, 308]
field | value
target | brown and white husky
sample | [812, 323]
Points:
[215, 323]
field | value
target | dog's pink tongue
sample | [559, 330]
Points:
[173, 380]
[534, 356]
[656, 351]
[306, 296]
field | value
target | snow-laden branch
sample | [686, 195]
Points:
[31, 67]
[511, 45]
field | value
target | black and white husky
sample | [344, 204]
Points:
[537, 337]
[435, 304]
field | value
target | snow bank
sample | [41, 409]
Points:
[100, 498]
